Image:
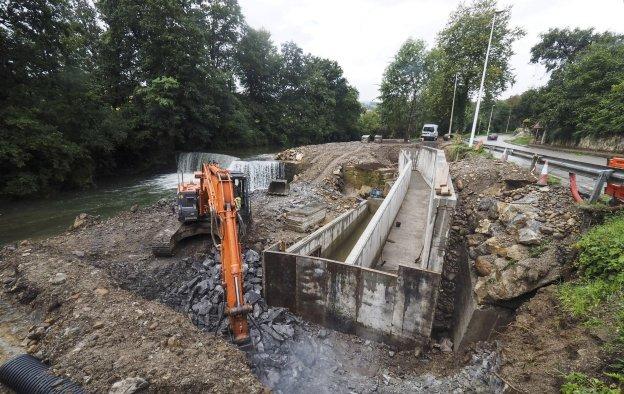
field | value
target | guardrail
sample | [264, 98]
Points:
[602, 174]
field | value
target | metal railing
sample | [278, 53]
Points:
[601, 174]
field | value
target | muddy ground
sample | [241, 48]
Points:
[99, 308]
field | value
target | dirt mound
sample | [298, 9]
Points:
[542, 345]
[97, 334]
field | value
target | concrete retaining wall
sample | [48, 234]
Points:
[368, 247]
[392, 308]
[321, 241]
[440, 209]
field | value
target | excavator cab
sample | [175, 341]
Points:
[241, 191]
[187, 206]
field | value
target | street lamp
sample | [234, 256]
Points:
[453, 107]
[487, 56]
[490, 122]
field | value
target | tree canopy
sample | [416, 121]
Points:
[90, 89]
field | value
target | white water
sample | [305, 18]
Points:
[259, 172]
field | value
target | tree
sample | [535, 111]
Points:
[559, 46]
[401, 86]
[370, 122]
[463, 43]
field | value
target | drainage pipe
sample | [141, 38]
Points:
[27, 374]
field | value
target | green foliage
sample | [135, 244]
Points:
[401, 88]
[370, 122]
[579, 383]
[598, 296]
[585, 94]
[602, 250]
[521, 140]
[88, 90]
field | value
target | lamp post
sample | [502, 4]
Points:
[487, 56]
[508, 119]
[453, 107]
[490, 122]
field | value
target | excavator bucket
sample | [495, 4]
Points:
[279, 187]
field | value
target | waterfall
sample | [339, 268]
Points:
[188, 162]
[259, 172]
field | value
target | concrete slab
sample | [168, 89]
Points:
[405, 243]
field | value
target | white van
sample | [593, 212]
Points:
[429, 132]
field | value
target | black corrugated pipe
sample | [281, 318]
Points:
[26, 374]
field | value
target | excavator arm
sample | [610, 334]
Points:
[217, 199]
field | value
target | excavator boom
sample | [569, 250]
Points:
[217, 199]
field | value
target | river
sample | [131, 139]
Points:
[45, 217]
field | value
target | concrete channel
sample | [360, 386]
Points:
[375, 270]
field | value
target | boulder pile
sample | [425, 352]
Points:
[202, 298]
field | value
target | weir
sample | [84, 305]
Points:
[259, 173]
[387, 286]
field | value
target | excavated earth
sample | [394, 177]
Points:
[96, 306]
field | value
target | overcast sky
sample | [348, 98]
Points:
[363, 35]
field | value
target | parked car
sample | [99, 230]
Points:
[492, 137]
[429, 132]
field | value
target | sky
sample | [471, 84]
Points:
[363, 35]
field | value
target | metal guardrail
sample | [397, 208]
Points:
[602, 174]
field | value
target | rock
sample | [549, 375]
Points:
[153, 325]
[484, 227]
[446, 345]
[134, 208]
[80, 221]
[128, 386]
[78, 253]
[252, 297]
[173, 341]
[284, 330]
[391, 353]
[322, 333]
[58, 278]
[527, 236]
[365, 190]
[494, 247]
[517, 252]
[100, 291]
[98, 324]
[483, 266]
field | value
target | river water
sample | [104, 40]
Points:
[44, 217]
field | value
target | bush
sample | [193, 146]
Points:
[602, 250]
[579, 383]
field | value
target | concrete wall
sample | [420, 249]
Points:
[440, 209]
[332, 233]
[392, 308]
[368, 247]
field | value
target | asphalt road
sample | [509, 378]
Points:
[585, 158]
[585, 184]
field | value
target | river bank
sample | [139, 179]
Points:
[96, 305]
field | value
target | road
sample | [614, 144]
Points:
[585, 184]
[585, 158]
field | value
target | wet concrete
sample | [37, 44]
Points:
[405, 243]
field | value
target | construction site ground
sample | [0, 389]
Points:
[96, 305]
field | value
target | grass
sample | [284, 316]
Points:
[523, 140]
[538, 250]
[553, 180]
[597, 298]
[458, 150]
[579, 383]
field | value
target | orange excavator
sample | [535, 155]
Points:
[214, 199]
